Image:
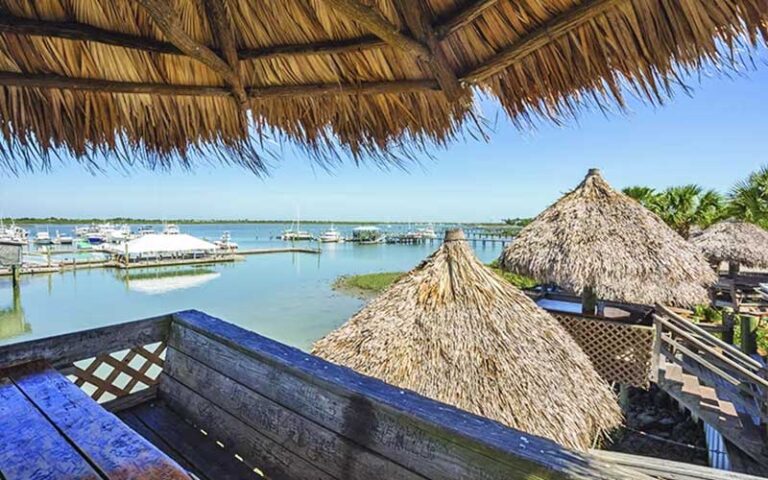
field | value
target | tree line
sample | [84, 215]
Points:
[687, 207]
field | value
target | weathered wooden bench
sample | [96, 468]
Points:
[224, 402]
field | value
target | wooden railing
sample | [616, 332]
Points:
[734, 374]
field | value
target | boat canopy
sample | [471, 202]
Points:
[158, 243]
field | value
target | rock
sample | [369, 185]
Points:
[646, 419]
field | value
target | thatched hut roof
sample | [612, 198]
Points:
[596, 237]
[453, 330]
[734, 241]
[162, 81]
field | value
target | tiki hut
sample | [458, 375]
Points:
[598, 242]
[167, 82]
[735, 242]
[453, 330]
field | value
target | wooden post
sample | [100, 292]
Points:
[588, 301]
[16, 278]
[728, 324]
[733, 269]
[748, 334]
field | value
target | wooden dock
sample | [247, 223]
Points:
[234, 256]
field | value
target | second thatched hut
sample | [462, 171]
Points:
[598, 242]
[453, 330]
[736, 242]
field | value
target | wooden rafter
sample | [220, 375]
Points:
[555, 28]
[45, 81]
[167, 21]
[464, 17]
[375, 23]
[88, 33]
[419, 23]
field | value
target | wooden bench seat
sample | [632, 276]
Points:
[50, 429]
[188, 445]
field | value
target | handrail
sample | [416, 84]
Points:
[709, 349]
[710, 338]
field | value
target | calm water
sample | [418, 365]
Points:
[284, 296]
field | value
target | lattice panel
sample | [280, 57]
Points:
[620, 352]
[118, 374]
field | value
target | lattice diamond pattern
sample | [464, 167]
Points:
[118, 374]
[620, 352]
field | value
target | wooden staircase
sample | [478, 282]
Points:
[713, 380]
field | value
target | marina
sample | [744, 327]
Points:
[581, 326]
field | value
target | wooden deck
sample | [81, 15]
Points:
[229, 402]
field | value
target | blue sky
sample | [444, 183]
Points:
[713, 138]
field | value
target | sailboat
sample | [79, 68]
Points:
[296, 234]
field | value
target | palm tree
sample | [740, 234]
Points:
[644, 195]
[748, 199]
[686, 206]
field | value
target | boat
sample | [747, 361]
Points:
[427, 233]
[296, 234]
[43, 238]
[171, 229]
[62, 239]
[96, 238]
[145, 230]
[367, 235]
[331, 236]
[13, 232]
[225, 242]
[117, 234]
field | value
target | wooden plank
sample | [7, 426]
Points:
[670, 470]
[30, 447]
[114, 449]
[61, 350]
[324, 448]
[273, 459]
[201, 452]
[138, 426]
[428, 437]
[131, 400]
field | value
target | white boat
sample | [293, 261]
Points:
[145, 230]
[427, 233]
[43, 238]
[63, 239]
[171, 229]
[13, 233]
[296, 234]
[118, 234]
[331, 236]
[225, 242]
[367, 235]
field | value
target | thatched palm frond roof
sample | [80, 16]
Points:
[163, 81]
[596, 237]
[736, 242]
[453, 330]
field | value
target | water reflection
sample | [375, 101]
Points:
[12, 319]
[160, 281]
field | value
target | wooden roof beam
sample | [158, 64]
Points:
[425, 47]
[418, 21]
[224, 31]
[546, 33]
[464, 17]
[167, 21]
[47, 81]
